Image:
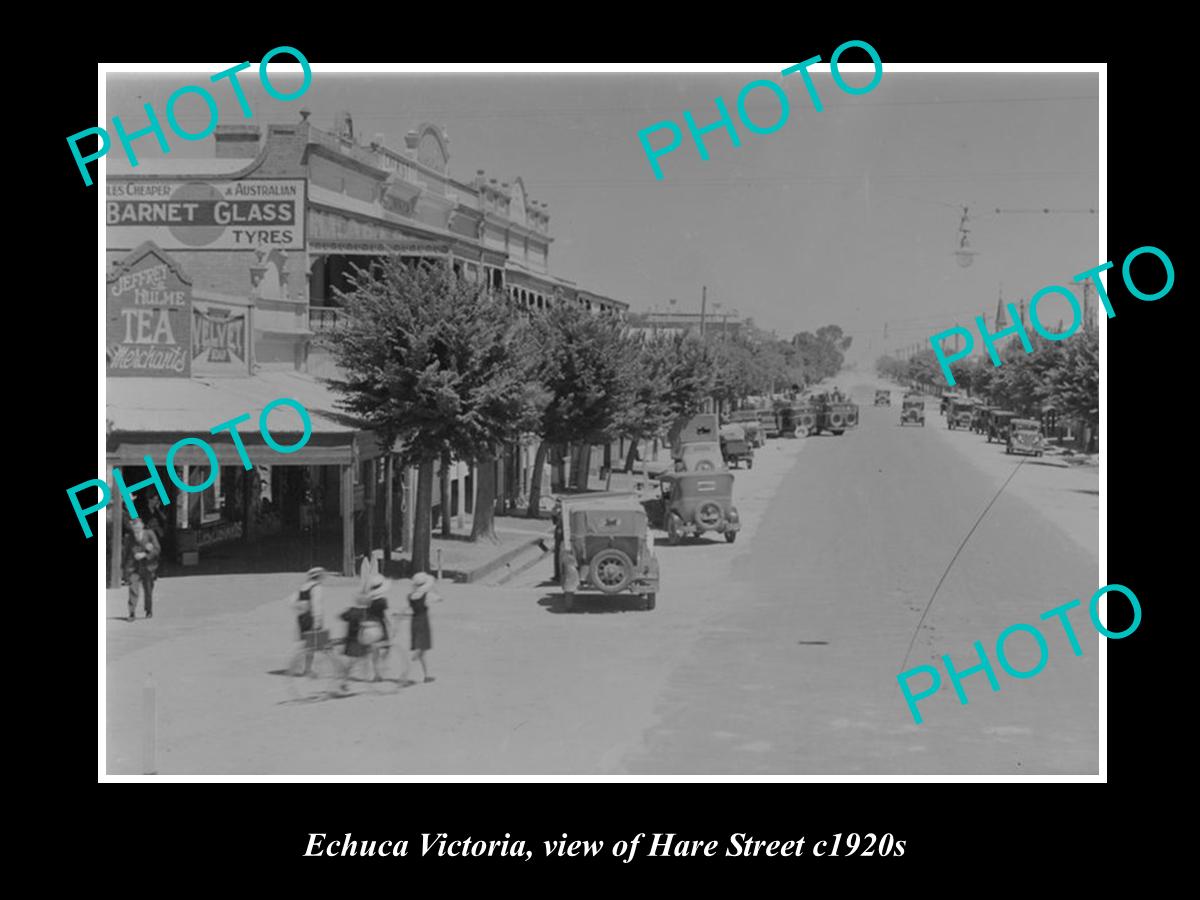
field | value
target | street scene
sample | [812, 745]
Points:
[573, 472]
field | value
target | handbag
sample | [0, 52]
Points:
[370, 632]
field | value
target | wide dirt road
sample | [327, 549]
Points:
[774, 655]
[800, 675]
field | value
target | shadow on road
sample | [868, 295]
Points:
[588, 604]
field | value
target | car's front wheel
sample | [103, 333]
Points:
[568, 601]
[650, 599]
[730, 536]
[672, 530]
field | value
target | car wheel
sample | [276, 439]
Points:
[568, 600]
[611, 570]
[749, 464]
[1008, 450]
[650, 598]
[672, 530]
[709, 516]
[730, 536]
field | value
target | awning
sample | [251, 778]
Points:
[146, 416]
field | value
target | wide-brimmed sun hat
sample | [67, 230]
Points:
[422, 582]
[313, 575]
[376, 588]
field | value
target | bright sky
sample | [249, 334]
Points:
[848, 216]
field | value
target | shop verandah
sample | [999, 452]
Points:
[320, 503]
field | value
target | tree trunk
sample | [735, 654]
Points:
[631, 457]
[388, 508]
[585, 464]
[608, 456]
[423, 520]
[445, 485]
[484, 522]
[535, 486]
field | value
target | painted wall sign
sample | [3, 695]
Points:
[149, 317]
[220, 338]
[206, 215]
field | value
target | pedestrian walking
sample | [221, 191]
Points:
[308, 604]
[419, 598]
[140, 566]
[355, 647]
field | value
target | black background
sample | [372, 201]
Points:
[206, 836]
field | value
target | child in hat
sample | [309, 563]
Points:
[307, 605]
[419, 598]
[366, 625]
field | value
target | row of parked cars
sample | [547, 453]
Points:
[603, 541]
[1023, 436]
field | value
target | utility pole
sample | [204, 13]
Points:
[703, 306]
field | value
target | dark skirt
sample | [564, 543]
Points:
[421, 638]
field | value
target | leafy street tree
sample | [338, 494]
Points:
[648, 411]
[1075, 382]
[1059, 375]
[583, 364]
[433, 360]
[821, 354]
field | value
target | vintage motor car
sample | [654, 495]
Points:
[998, 424]
[787, 421]
[701, 427]
[696, 502]
[768, 423]
[805, 417]
[883, 398]
[948, 398]
[748, 419]
[1025, 437]
[606, 547]
[835, 416]
[913, 412]
[700, 456]
[735, 448]
[960, 414]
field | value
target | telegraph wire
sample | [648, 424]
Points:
[928, 605]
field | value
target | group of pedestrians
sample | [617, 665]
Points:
[369, 633]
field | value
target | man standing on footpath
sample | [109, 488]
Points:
[140, 565]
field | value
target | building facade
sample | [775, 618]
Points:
[265, 233]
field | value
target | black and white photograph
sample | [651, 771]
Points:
[605, 422]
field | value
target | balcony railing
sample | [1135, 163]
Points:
[323, 318]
